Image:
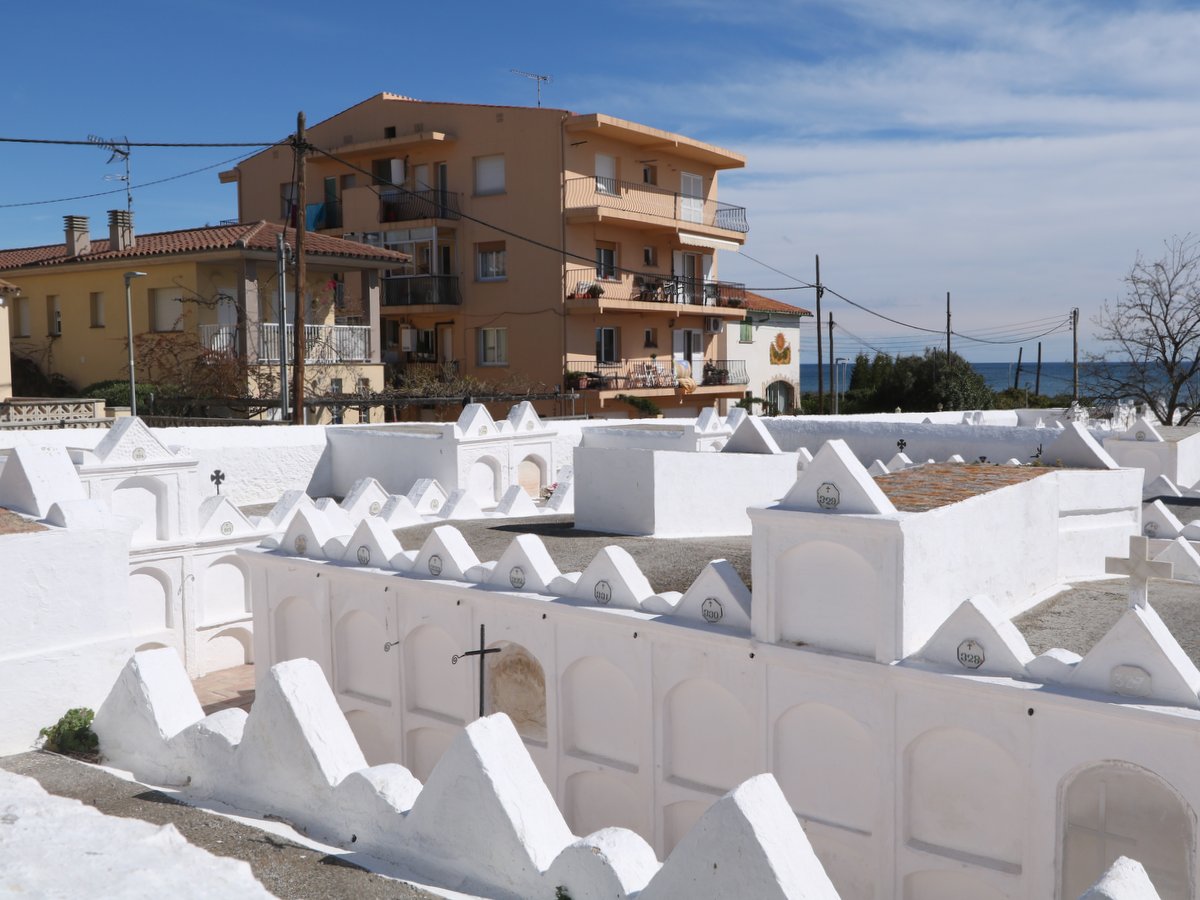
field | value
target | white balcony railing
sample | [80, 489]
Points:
[329, 344]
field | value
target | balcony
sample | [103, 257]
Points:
[318, 216]
[408, 206]
[324, 344]
[647, 202]
[582, 284]
[653, 374]
[421, 290]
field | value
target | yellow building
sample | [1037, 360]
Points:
[8, 294]
[548, 249]
[204, 308]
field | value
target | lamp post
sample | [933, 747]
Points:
[840, 387]
[129, 276]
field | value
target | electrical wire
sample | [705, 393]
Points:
[65, 143]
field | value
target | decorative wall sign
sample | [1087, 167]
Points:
[364, 555]
[139, 454]
[483, 429]
[602, 592]
[1130, 681]
[712, 610]
[435, 565]
[828, 496]
[374, 508]
[227, 528]
[301, 544]
[1141, 435]
[1150, 529]
[529, 426]
[970, 654]
[434, 503]
[780, 351]
[516, 577]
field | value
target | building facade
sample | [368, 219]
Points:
[548, 250]
[768, 338]
[204, 307]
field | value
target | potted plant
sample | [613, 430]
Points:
[576, 380]
[595, 291]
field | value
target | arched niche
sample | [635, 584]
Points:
[531, 475]
[709, 737]
[150, 645]
[966, 797]
[825, 763]
[228, 648]
[361, 663]
[145, 499]
[598, 706]
[424, 747]
[375, 733]
[484, 482]
[226, 593]
[678, 819]
[516, 686]
[299, 631]
[827, 595]
[431, 684]
[150, 596]
[1117, 809]
[595, 800]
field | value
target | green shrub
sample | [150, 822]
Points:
[72, 734]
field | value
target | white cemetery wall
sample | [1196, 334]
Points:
[64, 624]
[1098, 510]
[696, 494]
[614, 490]
[393, 457]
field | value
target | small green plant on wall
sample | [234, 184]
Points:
[72, 734]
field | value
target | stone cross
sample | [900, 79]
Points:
[1140, 568]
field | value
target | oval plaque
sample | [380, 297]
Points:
[970, 654]
[1130, 681]
[226, 528]
[483, 429]
[435, 565]
[434, 503]
[516, 577]
[364, 555]
[301, 544]
[1150, 529]
[374, 508]
[529, 426]
[139, 453]
[712, 610]
[828, 496]
[602, 592]
[1141, 435]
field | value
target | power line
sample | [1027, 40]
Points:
[65, 143]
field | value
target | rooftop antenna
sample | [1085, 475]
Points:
[536, 77]
[118, 150]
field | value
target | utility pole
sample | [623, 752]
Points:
[947, 327]
[1037, 379]
[281, 305]
[1075, 353]
[832, 381]
[820, 358]
[1017, 377]
[300, 148]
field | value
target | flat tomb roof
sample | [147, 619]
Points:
[935, 485]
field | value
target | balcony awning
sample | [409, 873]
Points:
[710, 243]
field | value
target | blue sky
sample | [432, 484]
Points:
[1017, 155]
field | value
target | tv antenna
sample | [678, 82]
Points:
[536, 77]
[118, 151]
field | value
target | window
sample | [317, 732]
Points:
[651, 337]
[53, 315]
[96, 302]
[493, 261]
[649, 174]
[606, 174]
[21, 315]
[387, 171]
[349, 181]
[364, 385]
[287, 201]
[606, 345]
[489, 175]
[424, 346]
[335, 385]
[493, 346]
[746, 332]
[606, 260]
[650, 256]
[166, 312]
[389, 131]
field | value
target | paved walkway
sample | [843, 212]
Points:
[225, 689]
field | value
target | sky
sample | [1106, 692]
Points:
[1017, 155]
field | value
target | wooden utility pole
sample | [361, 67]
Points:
[1075, 353]
[832, 380]
[298, 345]
[1037, 379]
[1017, 377]
[947, 327]
[820, 358]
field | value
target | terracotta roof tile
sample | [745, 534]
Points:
[927, 487]
[259, 236]
[768, 304]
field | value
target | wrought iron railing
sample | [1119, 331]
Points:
[405, 206]
[417, 290]
[328, 344]
[724, 371]
[649, 287]
[649, 200]
[656, 372]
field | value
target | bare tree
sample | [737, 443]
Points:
[1153, 332]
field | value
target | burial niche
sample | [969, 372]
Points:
[516, 686]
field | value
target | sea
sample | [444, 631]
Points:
[1055, 377]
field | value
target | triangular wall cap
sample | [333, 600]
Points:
[836, 482]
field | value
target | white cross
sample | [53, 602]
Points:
[1139, 567]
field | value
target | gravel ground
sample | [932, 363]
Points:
[286, 869]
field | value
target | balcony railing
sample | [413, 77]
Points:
[418, 290]
[323, 215]
[322, 343]
[652, 288]
[405, 206]
[597, 192]
[639, 374]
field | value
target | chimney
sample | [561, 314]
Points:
[120, 229]
[78, 241]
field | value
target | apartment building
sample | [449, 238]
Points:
[8, 294]
[548, 250]
[204, 305]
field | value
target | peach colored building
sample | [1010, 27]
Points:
[548, 249]
[8, 295]
[204, 311]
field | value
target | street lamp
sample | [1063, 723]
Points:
[129, 276]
